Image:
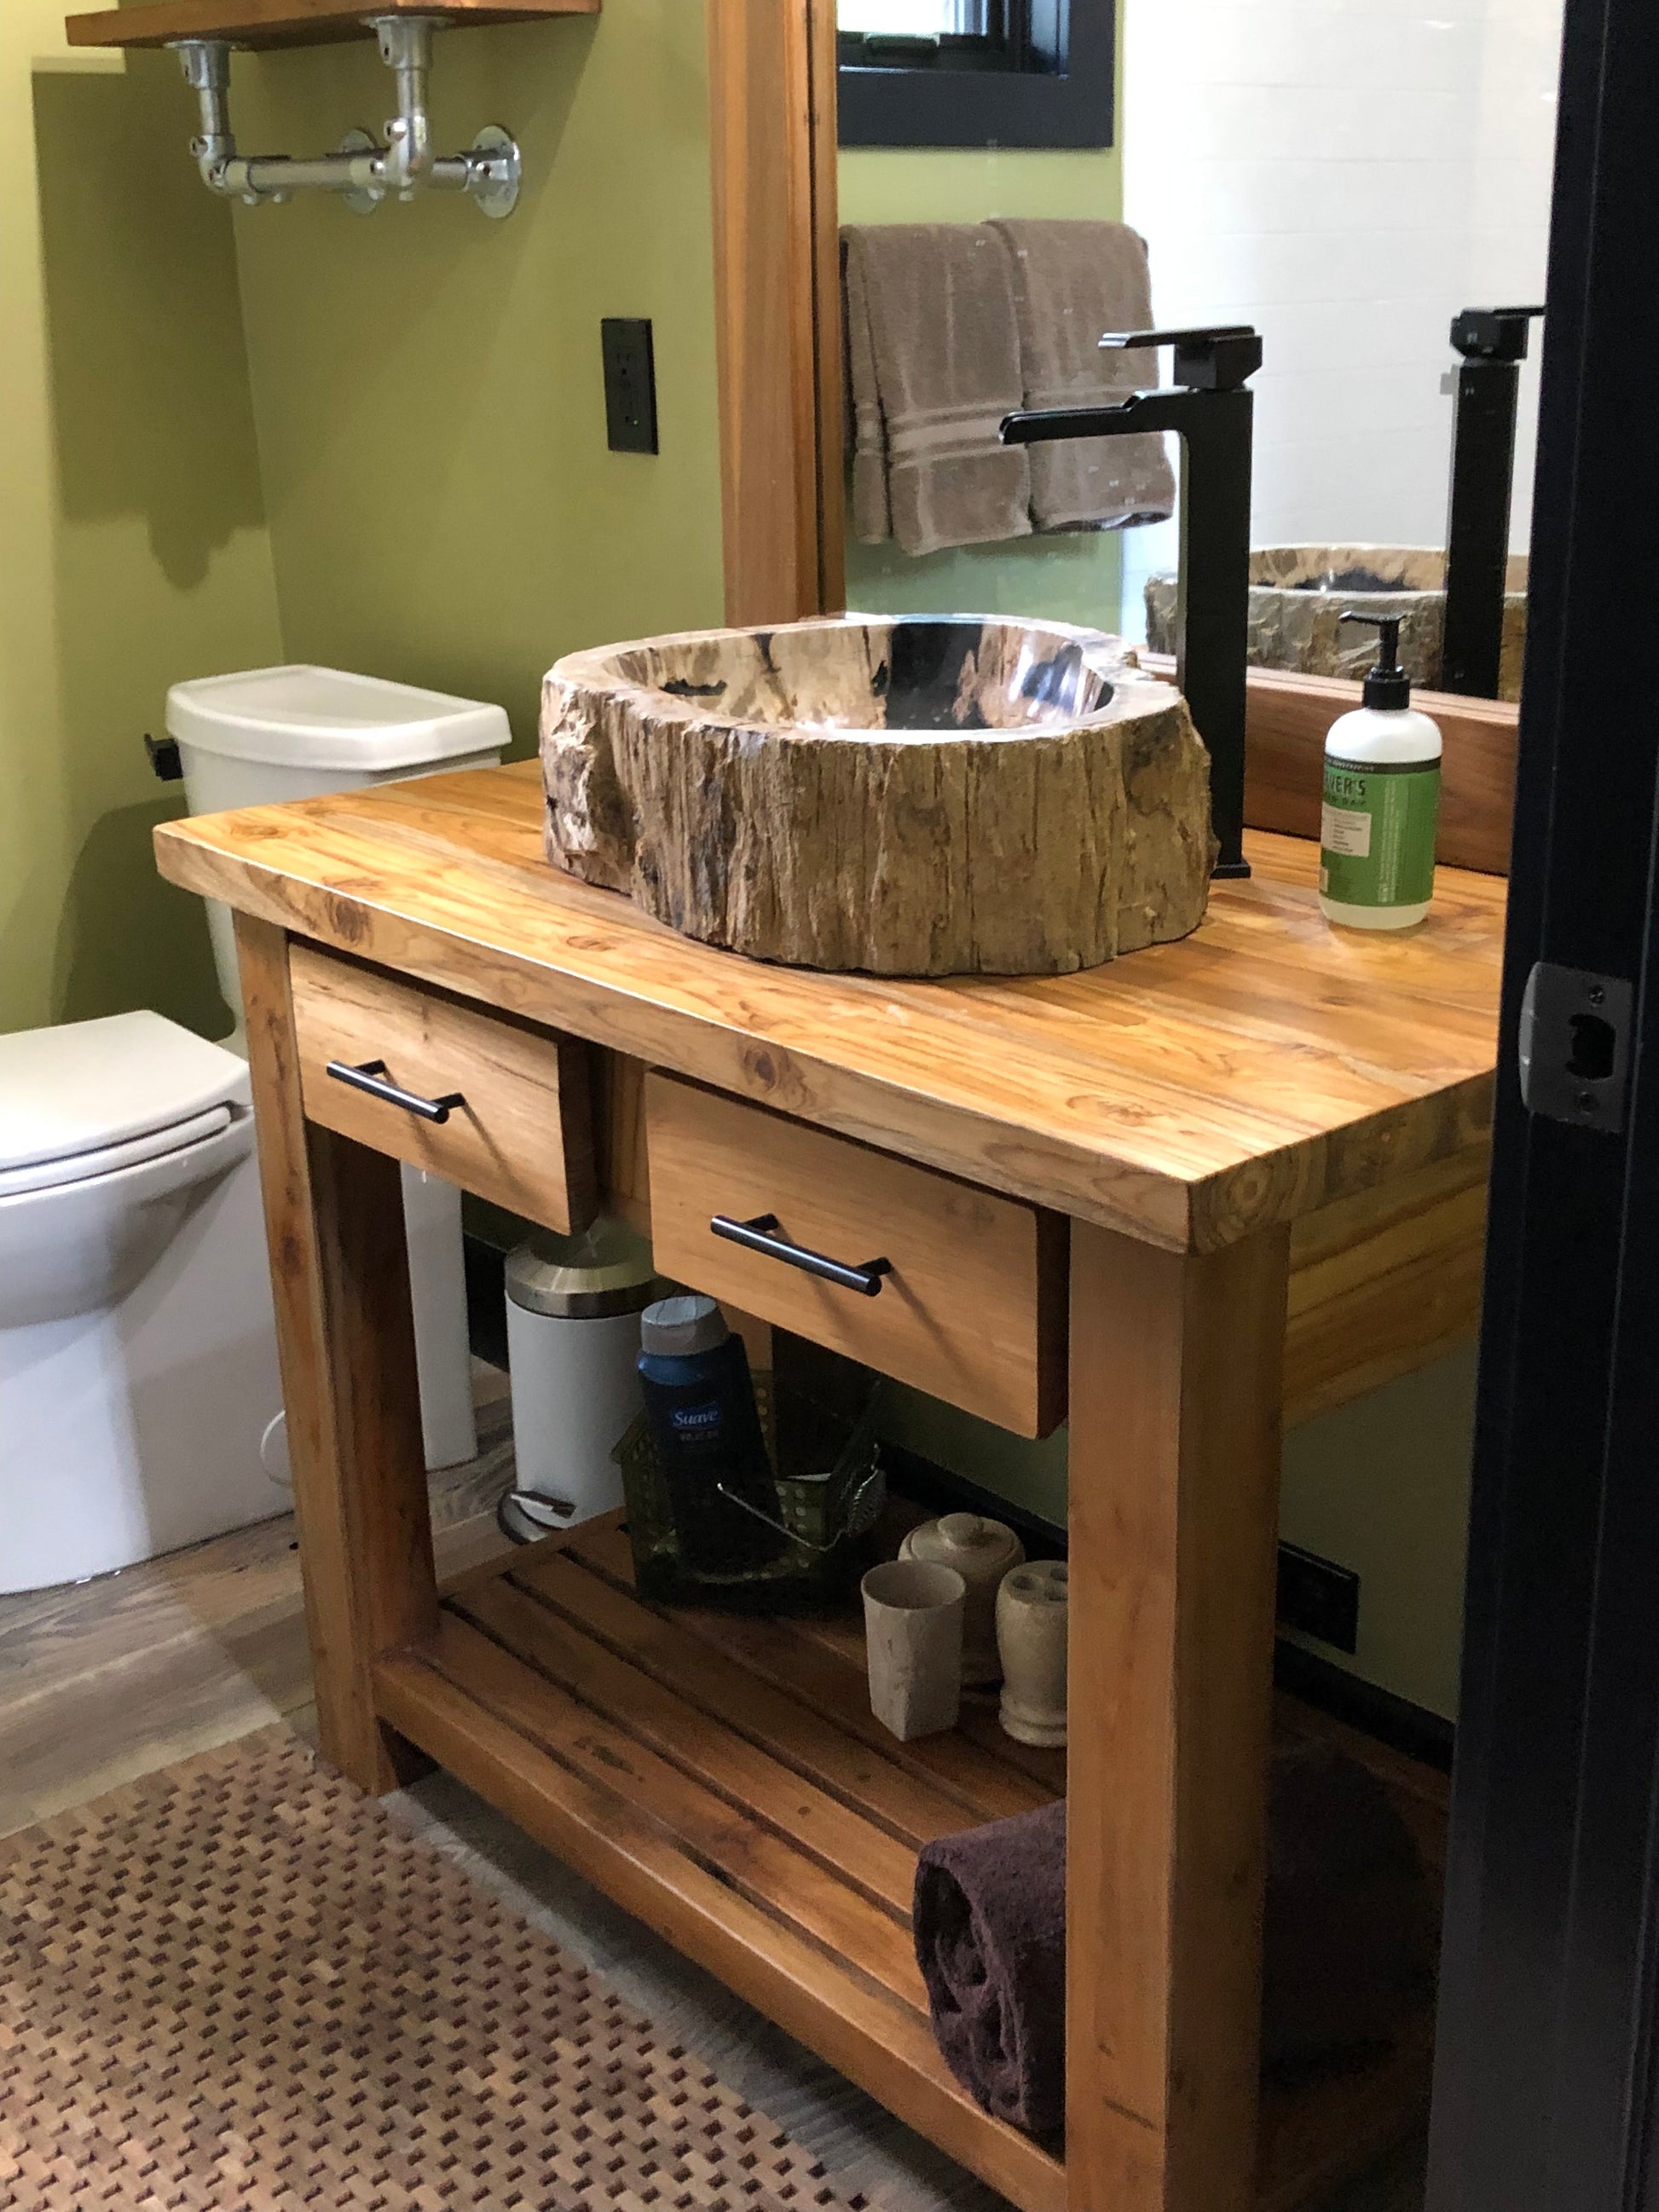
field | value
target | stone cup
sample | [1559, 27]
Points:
[913, 1615]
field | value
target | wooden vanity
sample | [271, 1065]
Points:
[1177, 1200]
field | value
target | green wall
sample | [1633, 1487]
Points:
[1070, 576]
[135, 550]
[426, 383]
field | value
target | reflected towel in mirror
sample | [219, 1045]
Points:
[933, 366]
[1072, 282]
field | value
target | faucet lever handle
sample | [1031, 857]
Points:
[1221, 357]
[1493, 333]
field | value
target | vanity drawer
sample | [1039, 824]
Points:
[520, 1132]
[973, 1309]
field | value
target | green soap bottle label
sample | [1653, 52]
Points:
[1376, 832]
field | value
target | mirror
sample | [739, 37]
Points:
[1345, 181]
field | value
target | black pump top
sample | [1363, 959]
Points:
[1386, 686]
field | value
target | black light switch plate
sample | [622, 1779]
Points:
[1319, 1597]
[630, 384]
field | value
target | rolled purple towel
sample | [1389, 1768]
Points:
[990, 1930]
[1348, 1942]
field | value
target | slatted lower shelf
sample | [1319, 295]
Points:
[723, 1779]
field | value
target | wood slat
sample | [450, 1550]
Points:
[1289, 717]
[855, 1850]
[259, 23]
[889, 1793]
[776, 1651]
[748, 1855]
[445, 1700]
[1188, 1095]
[843, 1636]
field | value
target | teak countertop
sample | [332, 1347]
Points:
[1186, 1095]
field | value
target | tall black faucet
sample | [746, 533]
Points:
[1492, 342]
[1211, 408]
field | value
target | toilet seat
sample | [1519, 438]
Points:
[81, 1167]
[88, 1098]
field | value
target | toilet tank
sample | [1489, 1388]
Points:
[276, 733]
[297, 733]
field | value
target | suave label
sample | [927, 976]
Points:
[1376, 832]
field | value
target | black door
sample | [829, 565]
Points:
[1543, 2089]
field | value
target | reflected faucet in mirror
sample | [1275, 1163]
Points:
[1211, 408]
[1492, 344]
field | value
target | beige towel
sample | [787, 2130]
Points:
[932, 368]
[1074, 281]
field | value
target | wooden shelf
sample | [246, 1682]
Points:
[723, 1779]
[261, 23]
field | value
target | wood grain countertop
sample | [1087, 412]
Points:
[1186, 1095]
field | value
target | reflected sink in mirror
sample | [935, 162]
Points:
[1297, 593]
[927, 795]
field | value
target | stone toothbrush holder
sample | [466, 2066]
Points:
[1032, 1616]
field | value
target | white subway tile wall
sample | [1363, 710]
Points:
[1345, 175]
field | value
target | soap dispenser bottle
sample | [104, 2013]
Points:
[1381, 800]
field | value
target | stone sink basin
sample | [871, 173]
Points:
[1296, 592]
[909, 795]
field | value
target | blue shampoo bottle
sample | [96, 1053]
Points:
[700, 1402]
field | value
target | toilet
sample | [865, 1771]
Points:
[268, 734]
[137, 1349]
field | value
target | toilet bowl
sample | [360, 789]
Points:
[137, 1348]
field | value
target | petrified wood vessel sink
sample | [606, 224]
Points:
[919, 796]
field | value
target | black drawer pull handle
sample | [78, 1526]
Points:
[372, 1077]
[761, 1235]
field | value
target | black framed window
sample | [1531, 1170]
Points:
[975, 72]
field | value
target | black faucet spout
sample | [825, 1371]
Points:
[1211, 411]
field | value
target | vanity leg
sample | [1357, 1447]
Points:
[339, 1265]
[1176, 1373]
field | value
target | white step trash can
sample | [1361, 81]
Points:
[572, 1337]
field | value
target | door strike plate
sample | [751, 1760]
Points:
[1574, 1047]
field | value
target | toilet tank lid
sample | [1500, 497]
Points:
[308, 717]
[86, 1084]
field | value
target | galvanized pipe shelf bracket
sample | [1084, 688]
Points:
[363, 171]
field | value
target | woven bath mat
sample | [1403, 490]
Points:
[236, 1986]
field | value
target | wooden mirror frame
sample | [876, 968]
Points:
[777, 297]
